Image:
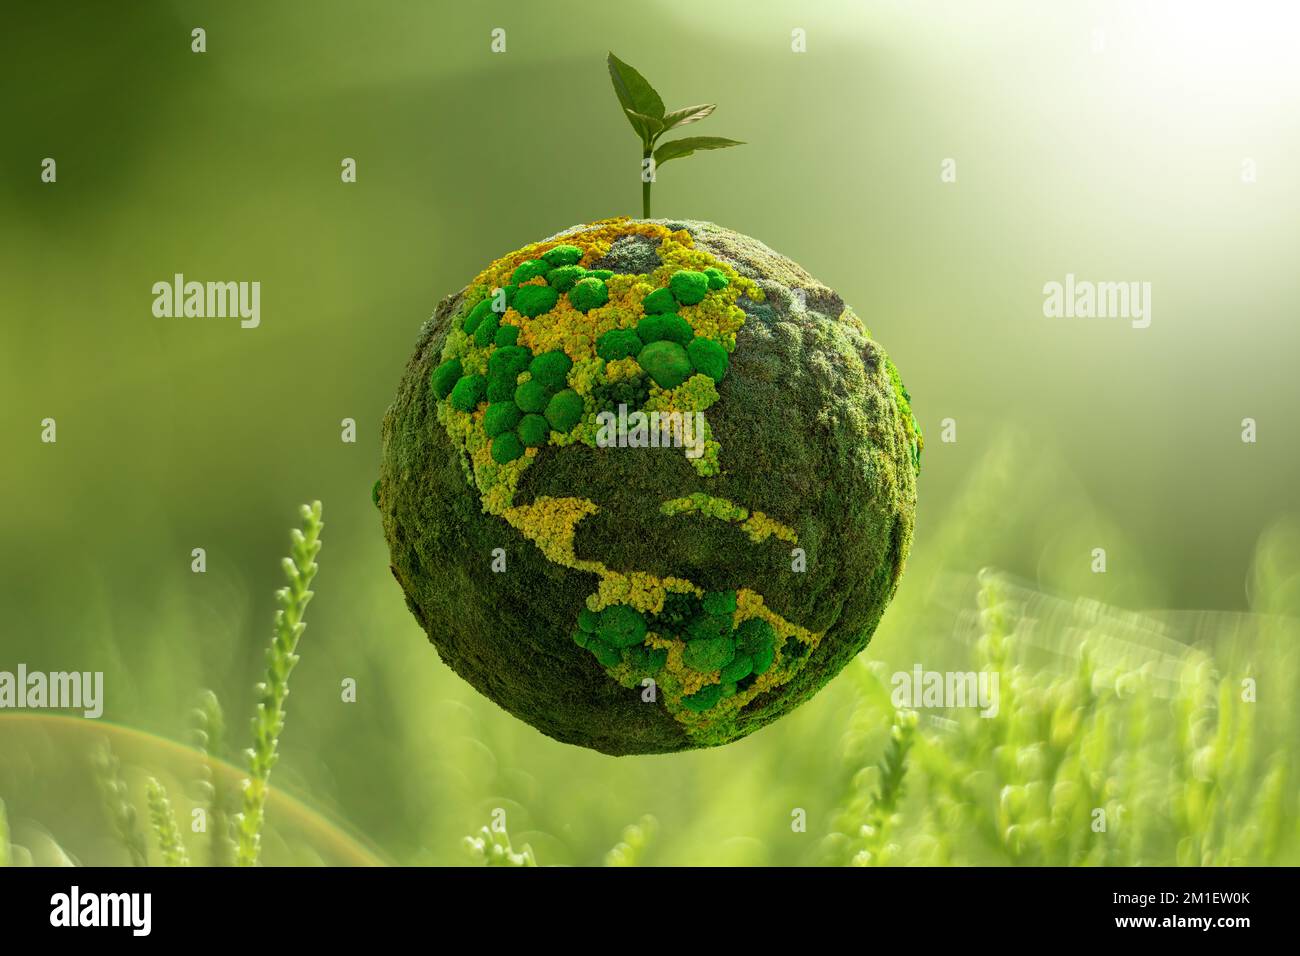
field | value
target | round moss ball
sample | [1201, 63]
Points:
[469, 391]
[444, 377]
[532, 430]
[563, 255]
[500, 417]
[666, 363]
[658, 301]
[562, 278]
[530, 270]
[564, 410]
[708, 358]
[508, 361]
[533, 300]
[486, 330]
[735, 568]
[670, 326]
[550, 368]
[501, 388]
[476, 315]
[618, 344]
[689, 286]
[506, 448]
[588, 293]
[532, 396]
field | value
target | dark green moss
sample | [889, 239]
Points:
[666, 363]
[508, 362]
[444, 377]
[709, 654]
[562, 278]
[500, 417]
[477, 315]
[659, 301]
[754, 635]
[689, 287]
[588, 293]
[550, 368]
[469, 391]
[533, 430]
[374, 493]
[529, 270]
[564, 410]
[486, 330]
[608, 655]
[534, 300]
[719, 603]
[507, 335]
[618, 344]
[739, 668]
[532, 396]
[621, 625]
[708, 358]
[588, 620]
[717, 278]
[562, 255]
[506, 448]
[705, 627]
[600, 273]
[501, 389]
[630, 392]
[704, 698]
[668, 326]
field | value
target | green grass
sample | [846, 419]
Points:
[209, 731]
[1142, 752]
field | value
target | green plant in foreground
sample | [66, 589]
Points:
[1128, 750]
[209, 739]
[629, 850]
[492, 848]
[644, 109]
[116, 800]
[165, 830]
[268, 723]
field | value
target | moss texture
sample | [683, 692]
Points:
[627, 565]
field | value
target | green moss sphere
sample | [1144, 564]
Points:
[668, 583]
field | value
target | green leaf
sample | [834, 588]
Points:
[647, 127]
[679, 148]
[687, 114]
[634, 93]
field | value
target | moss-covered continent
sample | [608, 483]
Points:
[652, 598]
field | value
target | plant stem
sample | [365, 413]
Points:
[164, 826]
[645, 185]
[114, 794]
[300, 568]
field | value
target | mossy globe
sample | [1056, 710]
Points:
[648, 485]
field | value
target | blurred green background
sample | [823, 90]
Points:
[1106, 140]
